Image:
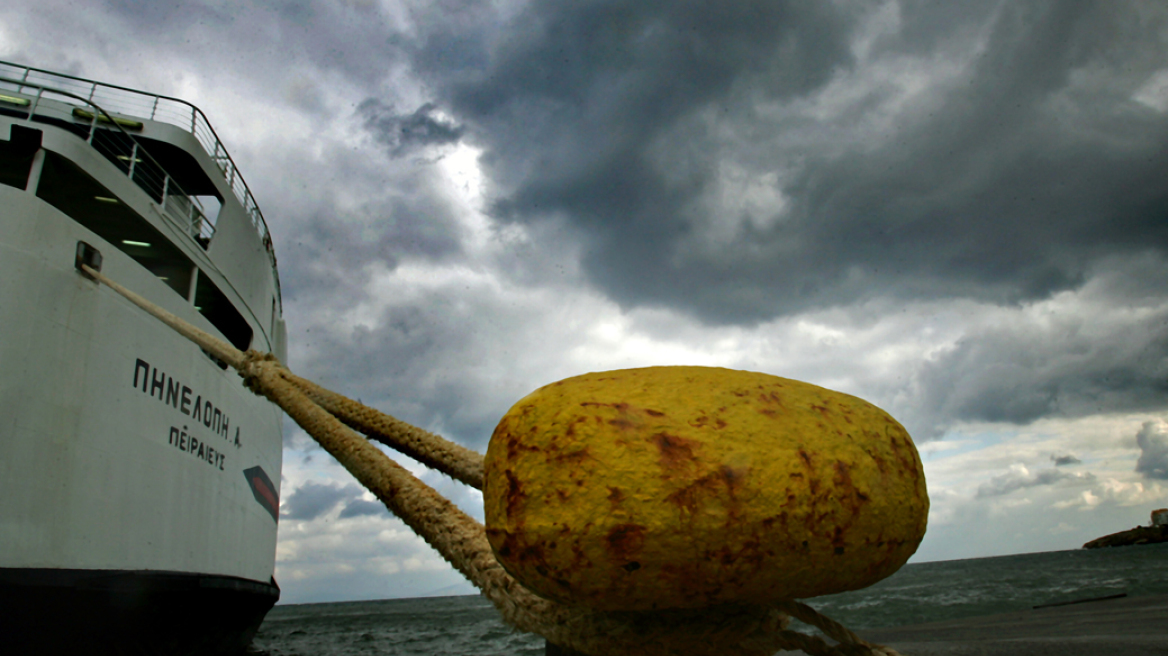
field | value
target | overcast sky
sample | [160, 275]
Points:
[958, 211]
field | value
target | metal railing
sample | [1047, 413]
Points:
[154, 107]
[108, 137]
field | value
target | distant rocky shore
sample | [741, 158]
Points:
[1137, 535]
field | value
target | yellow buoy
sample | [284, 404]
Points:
[684, 487]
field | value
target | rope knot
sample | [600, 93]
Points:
[257, 366]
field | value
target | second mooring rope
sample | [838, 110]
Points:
[330, 418]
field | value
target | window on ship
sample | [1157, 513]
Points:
[222, 314]
[16, 156]
[169, 175]
[65, 186]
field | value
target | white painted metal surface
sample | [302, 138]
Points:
[122, 445]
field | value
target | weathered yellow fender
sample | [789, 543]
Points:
[684, 487]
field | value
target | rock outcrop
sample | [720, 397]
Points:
[1137, 535]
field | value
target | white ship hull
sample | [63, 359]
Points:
[139, 480]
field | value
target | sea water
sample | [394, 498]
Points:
[924, 592]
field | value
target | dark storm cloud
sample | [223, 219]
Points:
[405, 133]
[1019, 480]
[1062, 461]
[358, 208]
[422, 364]
[1022, 167]
[361, 209]
[1026, 169]
[1105, 357]
[576, 96]
[267, 41]
[1018, 165]
[312, 500]
[1153, 442]
[333, 250]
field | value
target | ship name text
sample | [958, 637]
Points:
[159, 385]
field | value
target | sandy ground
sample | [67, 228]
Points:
[1131, 626]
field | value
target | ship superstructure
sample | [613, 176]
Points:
[139, 481]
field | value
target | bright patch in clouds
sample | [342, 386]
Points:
[1154, 92]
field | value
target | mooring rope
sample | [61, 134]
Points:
[330, 419]
[434, 451]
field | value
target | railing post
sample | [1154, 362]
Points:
[165, 188]
[92, 124]
[194, 285]
[154, 108]
[191, 219]
[133, 159]
[218, 160]
[197, 221]
[252, 208]
[36, 101]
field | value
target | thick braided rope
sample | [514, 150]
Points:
[452, 459]
[434, 451]
[730, 630]
[208, 342]
[460, 539]
[832, 628]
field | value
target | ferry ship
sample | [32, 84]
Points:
[139, 480]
